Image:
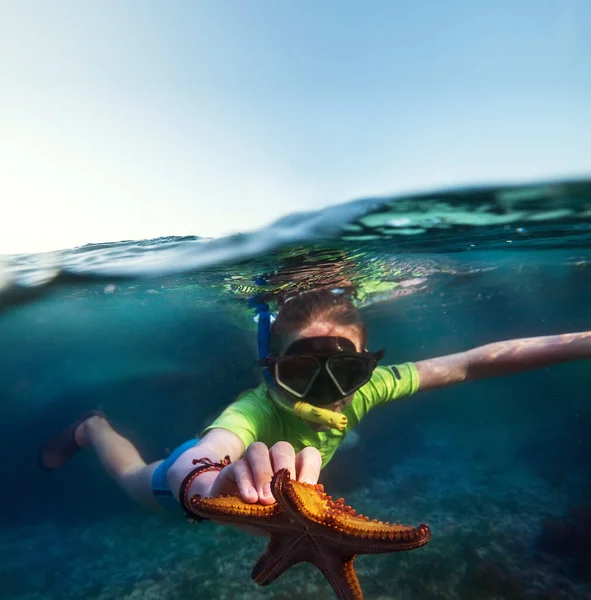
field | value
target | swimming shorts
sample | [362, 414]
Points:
[160, 488]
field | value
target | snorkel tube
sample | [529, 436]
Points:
[301, 409]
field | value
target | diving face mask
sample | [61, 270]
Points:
[322, 370]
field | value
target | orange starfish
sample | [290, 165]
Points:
[306, 525]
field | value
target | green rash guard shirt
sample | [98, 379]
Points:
[255, 417]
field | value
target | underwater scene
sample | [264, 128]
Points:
[161, 335]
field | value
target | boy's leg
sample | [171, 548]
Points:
[120, 459]
[117, 455]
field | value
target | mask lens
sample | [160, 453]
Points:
[297, 373]
[350, 372]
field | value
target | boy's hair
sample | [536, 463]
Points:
[299, 311]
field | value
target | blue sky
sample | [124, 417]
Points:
[127, 120]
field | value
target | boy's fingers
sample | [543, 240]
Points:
[251, 475]
[283, 457]
[259, 460]
[308, 465]
[236, 476]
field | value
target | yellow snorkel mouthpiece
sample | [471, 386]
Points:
[323, 416]
[309, 412]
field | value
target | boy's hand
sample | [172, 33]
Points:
[250, 476]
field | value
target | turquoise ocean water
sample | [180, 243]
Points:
[159, 334]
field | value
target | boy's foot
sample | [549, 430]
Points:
[60, 448]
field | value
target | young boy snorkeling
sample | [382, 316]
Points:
[320, 381]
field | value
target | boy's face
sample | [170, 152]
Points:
[327, 329]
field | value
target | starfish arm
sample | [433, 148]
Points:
[282, 553]
[340, 573]
[233, 510]
[375, 537]
[313, 508]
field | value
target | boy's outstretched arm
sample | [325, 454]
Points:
[503, 358]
